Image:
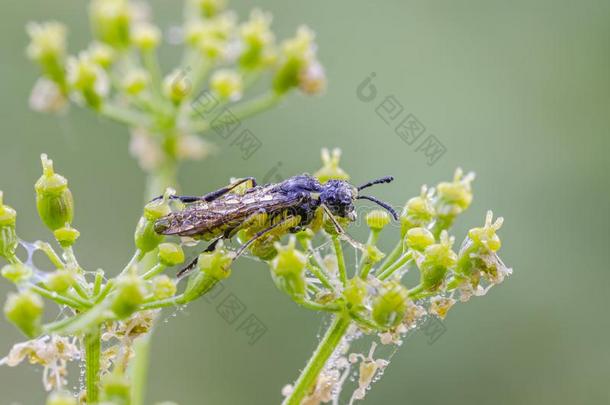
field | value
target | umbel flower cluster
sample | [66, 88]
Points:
[210, 90]
[105, 321]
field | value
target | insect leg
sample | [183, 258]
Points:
[222, 191]
[341, 231]
[211, 247]
[210, 196]
[262, 233]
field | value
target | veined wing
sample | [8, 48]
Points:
[228, 211]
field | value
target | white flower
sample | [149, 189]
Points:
[46, 96]
[143, 147]
[52, 352]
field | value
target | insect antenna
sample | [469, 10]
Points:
[379, 202]
[386, 179]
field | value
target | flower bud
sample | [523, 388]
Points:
[48, 48]
[111, 20]
[101, 54]
[16, 272]
[213, 267]
[145, 36]
[24, 310]
[478, 255]
[135, 81]
[419, 238]
[211, 36]
[297, 56]
[288, 269]
[390, 306]
[176, 86]
[88, 80]
[330, 166]
[163, 287]
[209, 8]
[377, 220]
[61, 398]
[257, 39]
[485, 237]
[130, 293]
[8, 236]
[170, 254]
[53, 197]
[436, 261]
[227, 84]
[373, 254]
[60, 280]
[146, 237]
[418, 212]
[66, 236]
[355, 291]
[47, 96]
[454, 197]
[312, 79]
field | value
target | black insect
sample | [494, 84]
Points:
[292, 204]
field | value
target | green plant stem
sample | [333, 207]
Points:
[318, 307]
[392, 257]
[156, 269]
[151, 63]
[319, 274]
[137, 256]
[340, 260]
[404, 259]
[51, 254]
[139, 369]
[312, 370]
[125, 116]
[365, 263]
[167, 302]
[60, 299]
[92, 360]
[243, 110]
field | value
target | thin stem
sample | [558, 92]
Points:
[312, 370]
[305, 303]
[167, 302]
[139, 369]
[392, 257]
[365, 262]
[151, 63]
[244, 110]
[54, 258]
[404, 260]
[340, 260]
[137, 256]
[125, 116]
[319, 274]
[60, 299]
[156, 269]
[92, 360]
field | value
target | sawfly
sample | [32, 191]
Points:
[291, 205]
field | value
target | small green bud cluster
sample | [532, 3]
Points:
[118, 75]
[213, 267]
[288, 269]
[298, 65]
[24, 310]
[53, 197]
[8, 236]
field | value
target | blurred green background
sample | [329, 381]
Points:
[517, 91]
